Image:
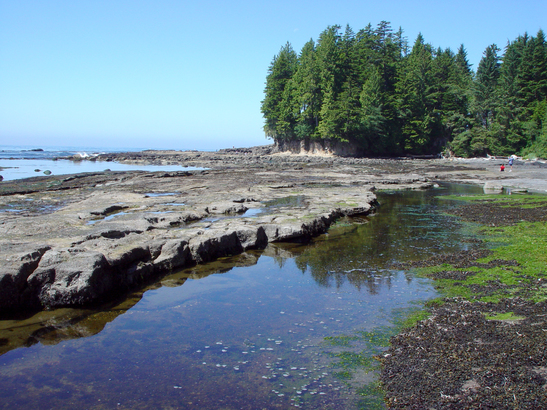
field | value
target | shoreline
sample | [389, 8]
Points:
[99, 224]
[138, 225]
[483, 342]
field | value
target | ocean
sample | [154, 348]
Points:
[18, 162]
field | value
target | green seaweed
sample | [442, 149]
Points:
[340, 340]
[414, 318]
[372, 396]
[507, 316]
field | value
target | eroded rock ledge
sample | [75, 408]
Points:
[84, 239]
[109, 242]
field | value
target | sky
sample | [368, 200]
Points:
[168, 74]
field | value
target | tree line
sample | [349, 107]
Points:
[371, 90]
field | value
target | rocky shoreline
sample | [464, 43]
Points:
[81, 239]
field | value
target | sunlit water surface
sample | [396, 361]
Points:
[27, 168]
[250, 332]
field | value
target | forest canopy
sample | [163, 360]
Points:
[374, 91]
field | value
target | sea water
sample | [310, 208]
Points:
[17, 162]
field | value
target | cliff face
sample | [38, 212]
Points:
[322, 147]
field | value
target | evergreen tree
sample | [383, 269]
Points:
[347, 101]
[483, 140]
[373, 131]
[486, 82]
[510, 114]
[365, 88]
[532, 74]
[281, 70]
[416, 99]
[308, 92]
[330, 62]
[461, 82]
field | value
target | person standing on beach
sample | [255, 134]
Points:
[510, 163]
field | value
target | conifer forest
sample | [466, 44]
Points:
[374, 90]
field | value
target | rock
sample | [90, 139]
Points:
[242, 200]
[47, 172]
[493, 187]
[252, 237]
[516, 191]
[175, 253]
[293, 230]
[71, 277]
[226, 208]
[13, 277]
[120, 252]
[106, 235]
[213, 244]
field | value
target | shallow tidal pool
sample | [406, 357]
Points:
[294, 326]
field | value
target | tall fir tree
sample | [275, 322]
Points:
[308, 93]
[281, 70]
[330, 60]
[416, 99]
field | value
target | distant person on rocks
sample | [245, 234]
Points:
[511, 163]
[502, 168]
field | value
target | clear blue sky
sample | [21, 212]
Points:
[190, 74]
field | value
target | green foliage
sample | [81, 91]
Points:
[368, 90]
[277, 102]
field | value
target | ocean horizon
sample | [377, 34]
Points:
[56, 151]
[23, 161]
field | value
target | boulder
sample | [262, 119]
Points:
[13, 277]
[119, 252]
[493, 187]
[214, 243]
[226, 208]
[71, 277]
[251, 237]
[175, 253]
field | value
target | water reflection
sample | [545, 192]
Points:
[409, 226]
[239, 333]
[52, 327]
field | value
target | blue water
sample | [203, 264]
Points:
[36, 152]
[17, 162]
